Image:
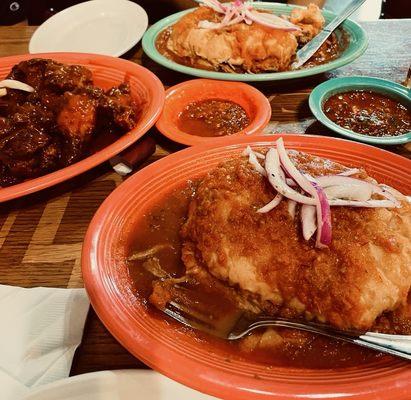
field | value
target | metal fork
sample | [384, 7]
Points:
[239, 325]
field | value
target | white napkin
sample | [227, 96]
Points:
[39, 333]
[116, 385]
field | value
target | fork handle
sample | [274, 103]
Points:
[399, 348]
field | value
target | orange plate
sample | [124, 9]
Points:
[171, 350]
[255, 104]
[107, 72]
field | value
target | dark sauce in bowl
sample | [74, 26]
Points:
[213, 117]
[368, 113]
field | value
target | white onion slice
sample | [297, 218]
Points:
[357, 185]
[3, 92]
[213, 4]
[349, 192]
[271, 20]
[349, 172]
[273, 168]
[13, 84]
[252, 159]
[391, 194]
[292, 208]
[365, 204]
[249, 150]
[292, 170]
[271, 205]
[308, 221]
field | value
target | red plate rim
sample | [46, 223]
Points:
[391, 379]
[152, 113]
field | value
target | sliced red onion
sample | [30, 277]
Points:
[271, 20]
[249, 150]
[14, 84]
[308, 221]
[339, 180]
[349, 192]
[315, 190]
[273, 169]
[243, 12]
[213, 4]
[252, 159]
[292, 171]
[391, 193]
[356, 186]
[349, 172]
[292, 207]
[324, 231]
[271, 205]
[365, 204]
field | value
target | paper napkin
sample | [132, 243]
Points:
[39, 333]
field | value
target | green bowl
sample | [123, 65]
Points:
[340, 85]
[357, 45]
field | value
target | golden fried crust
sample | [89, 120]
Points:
[254, 48]
[365, 271]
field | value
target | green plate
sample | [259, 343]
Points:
[357, 44]
[339, 85]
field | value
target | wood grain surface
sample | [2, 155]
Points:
[41, 234]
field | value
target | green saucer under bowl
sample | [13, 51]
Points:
[340, 85]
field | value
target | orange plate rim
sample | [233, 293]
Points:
[153, 111]
[387, 379]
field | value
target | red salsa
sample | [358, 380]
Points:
[213, 117]
[368, 113]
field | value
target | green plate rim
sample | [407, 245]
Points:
[338, 85]
[357, 46]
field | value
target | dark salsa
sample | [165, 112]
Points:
[213, 117]
[368, 113]
[161, 226]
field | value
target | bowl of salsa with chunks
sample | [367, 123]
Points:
[367, 109]
[204, 110]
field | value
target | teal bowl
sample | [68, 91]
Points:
[357, 44]
[340, 85]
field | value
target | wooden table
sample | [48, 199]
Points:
[41, 234]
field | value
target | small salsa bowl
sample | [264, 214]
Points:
[340, 85]
[255, 104]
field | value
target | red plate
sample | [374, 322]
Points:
[165, 346]
[107, 72]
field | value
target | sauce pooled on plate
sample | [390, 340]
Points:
[368, 113]
[212, 118]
